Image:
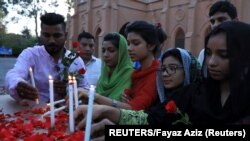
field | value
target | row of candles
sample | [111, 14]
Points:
[72, 91]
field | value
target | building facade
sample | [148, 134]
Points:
[186, 22]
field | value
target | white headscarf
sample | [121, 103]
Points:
[186, 60]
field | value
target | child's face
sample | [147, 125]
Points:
[217, 57]
[172, 72]
[137, 47]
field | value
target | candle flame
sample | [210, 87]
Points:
[30, 69]
[50, 77]
[69, 77]
[74, 78]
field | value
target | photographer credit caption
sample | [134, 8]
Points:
[176, 133]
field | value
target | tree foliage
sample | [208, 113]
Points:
[31, 9]
[70, 4]
[17, 42]
[2, 34]
[26, 33]
[3, 12]
[3, 8]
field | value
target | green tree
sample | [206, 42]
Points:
[18, 43]
[32, 9]
[3, 8]
[26, 33]
[2, 34]
[70, 5]
[3, 12]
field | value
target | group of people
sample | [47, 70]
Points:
[214, 91]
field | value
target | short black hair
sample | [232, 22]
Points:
[114, 38]
[225, 7]
[85, 35]
[147, 31]
[53, 19]
[174, 53]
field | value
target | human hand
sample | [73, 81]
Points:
[98, 130]
[26, 91]
[80, 114]
[83, 95]
[60, 88]
[125, 98]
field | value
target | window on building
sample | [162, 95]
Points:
[180, 39]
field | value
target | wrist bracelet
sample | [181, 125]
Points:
[114, 103]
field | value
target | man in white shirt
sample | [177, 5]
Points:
[47, 59]
[93, 64]
[221, 11]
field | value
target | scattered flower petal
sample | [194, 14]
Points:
[29, 126]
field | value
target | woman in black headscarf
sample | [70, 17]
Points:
[223, 97]
[225, 94]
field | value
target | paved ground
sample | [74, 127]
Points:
[5, 65]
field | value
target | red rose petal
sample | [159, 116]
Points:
[82, 71]
[28, 126]
[75, 44]
[171, 107]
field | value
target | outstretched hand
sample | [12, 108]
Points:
[83, 95]
[98, 130]
[26, 91]
[98, 119]
[99, 112]
[125, 98]
[80, 115]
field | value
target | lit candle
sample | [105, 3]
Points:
[32, 77]
[33, 81]
[52, 110]
[75, 92]
[89, 112]
[71, 108]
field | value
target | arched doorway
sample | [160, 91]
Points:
[180, 39]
